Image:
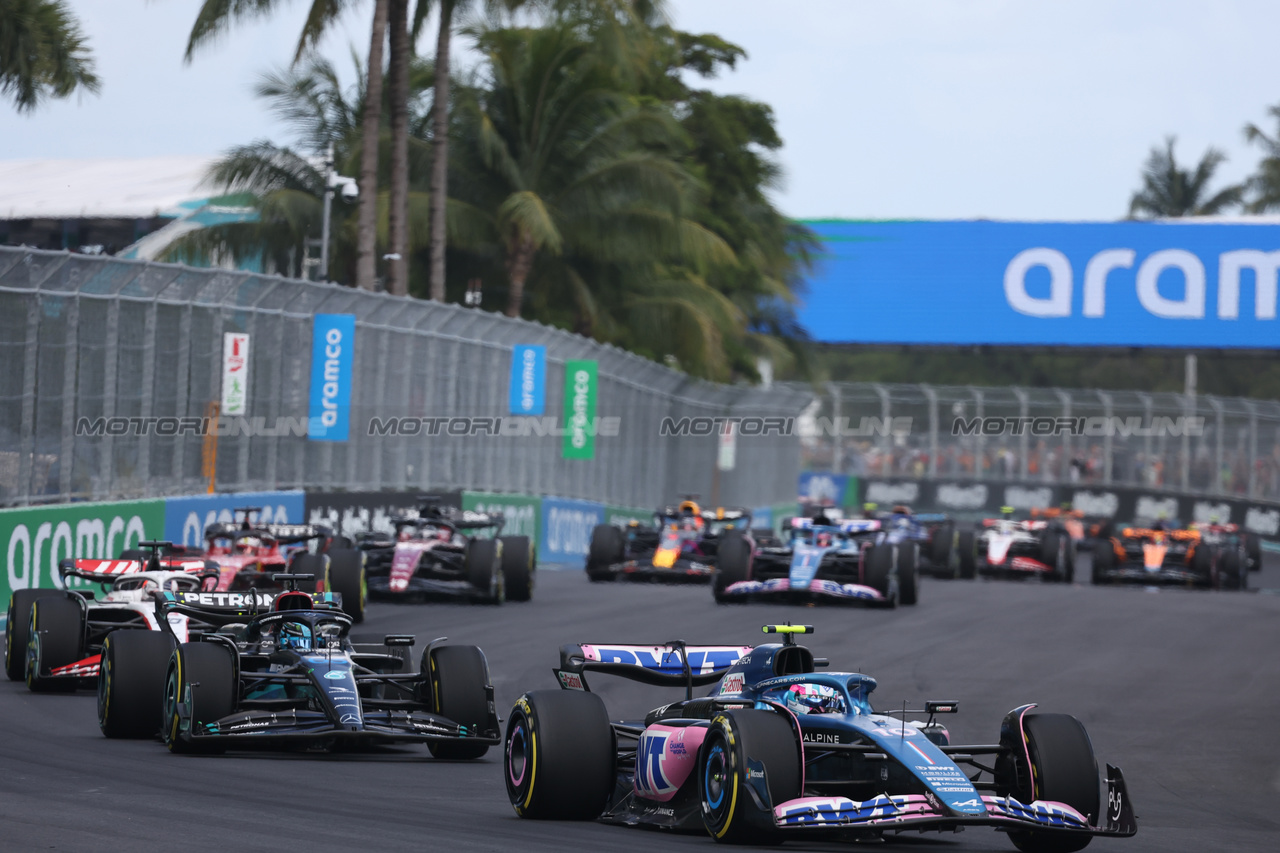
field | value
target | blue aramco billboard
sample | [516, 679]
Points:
[1177, 284]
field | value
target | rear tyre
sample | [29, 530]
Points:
[1231, 571]
[131, 683]
[736, 741]
[941, 546]
[1064, 770]
[459, 681]
[559, 759]
[519, 560]
[203, 676]
[1202, 565]
[877, 571]
[483, 571]
[18, 628]
[606, 549]
[733, 564]
[345, 575]
[908, 574]
[307, 564]
[1102, 561]
[55, 637]
[967, 554]
[1253, 551]
[1052, 555]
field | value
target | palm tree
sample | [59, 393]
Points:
[398, 85]
[43, 53]
[1265, 183]
[1170, 191]
[216, 16]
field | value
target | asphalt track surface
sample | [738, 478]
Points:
[1179, 688]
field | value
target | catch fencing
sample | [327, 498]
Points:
[1160, 441]
[84, 338]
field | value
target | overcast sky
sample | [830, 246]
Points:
[1002, 109]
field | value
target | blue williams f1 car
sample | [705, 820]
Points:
[850, 561]
[780, 751]
[289, 675]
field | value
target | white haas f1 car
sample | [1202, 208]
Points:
[1018, 549]
[55, 637]
[437, 551]
[850, 561]
[778, 750]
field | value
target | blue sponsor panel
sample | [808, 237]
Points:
[528, 394]
[333, 340]
[186, 518]
[762, 516]
[1049, 283]
[566, 529]
[821, 488]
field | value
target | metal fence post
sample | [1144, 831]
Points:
[1065, 398]
[1107, 410]
[1253, 447]
[1218, 427]
[932, 396]
[66, 459]
[1024, 437]
[837, 441]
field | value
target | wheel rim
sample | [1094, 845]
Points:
[517, 756]
[171, 719]
[715, 778]
[104, 684]
[33, 659]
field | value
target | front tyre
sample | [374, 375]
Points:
[519, 560]
[560, 756]
[908, 574]
[877, 572]
[17, 629]
[1063, 770]
[55, 638]
[967, 554]
[733, 565]
[607, 548]
[484, 571]
[459, 679]
[739, 746]
[200, 688]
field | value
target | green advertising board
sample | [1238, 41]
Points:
[621, 516]
[580, 409]
[34, 539]
[523, 513]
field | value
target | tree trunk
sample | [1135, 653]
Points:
[519, 263]
[367, 217]
[398, 88]
[440, 150]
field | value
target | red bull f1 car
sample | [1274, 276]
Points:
[54, 637]
[683, 544]
[1166, 554]
[443, 551]
[850, 561]
[280, 670]
[779, 750]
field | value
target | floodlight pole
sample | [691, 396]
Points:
[328, 202]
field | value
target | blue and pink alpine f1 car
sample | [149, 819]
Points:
[849, 561]
[779, 750]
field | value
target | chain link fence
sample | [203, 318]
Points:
[85, 337]
[1203, 444]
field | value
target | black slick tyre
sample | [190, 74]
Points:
[908, 574]
[1051, 554]
[1064, 770]
[131, 683]
[1253, 551]
[738, 742]
[733, 565]
[606, 549]
[17, 628]
[483, 570]
[345, 575]
[202, 675]
[519, 561]
[877, 571]
[459, 678]
[55, 637]
[1231, 570]
[941, 546]
[559, 756]
[967, 554]
[307, 564]
[1102, 561]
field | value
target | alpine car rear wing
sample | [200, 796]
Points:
[673, 664]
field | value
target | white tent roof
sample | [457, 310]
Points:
[100, 188]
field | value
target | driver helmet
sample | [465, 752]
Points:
[295, 635]
[404, 535]
[824, 539]
[814, 699]
[247, 544]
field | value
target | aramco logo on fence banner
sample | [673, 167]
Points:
[580, 409]
[332, 355]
